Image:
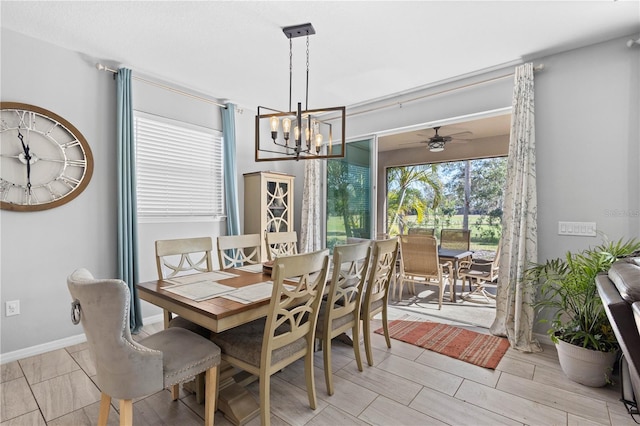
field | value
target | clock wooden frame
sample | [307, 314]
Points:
[76, 135]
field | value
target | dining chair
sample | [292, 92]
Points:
[265, 346]
[376, 293]
[281, 244]
[237, 250]
[455, 239]
[419, 263]
[422, 231]
[178, 257]
[340, 311]
[126, 369]
[479, 272]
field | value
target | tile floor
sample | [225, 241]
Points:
[406, 386]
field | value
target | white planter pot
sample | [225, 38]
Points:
[585, 366]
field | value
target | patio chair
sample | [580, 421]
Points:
[479, 272]
[455, 239]
[419, 263]
[421, 231]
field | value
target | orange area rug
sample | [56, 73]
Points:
[484, 350]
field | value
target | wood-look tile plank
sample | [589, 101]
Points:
[85, 361]
[86, 416]
[160, 409]
[450, 410]
[621, 417]
[16, 399]
[288, 402]
[381, 382]
[190, 401]
[422, 374]
[347, 396]
[65, 394]
[589, 408]
[48, 365]
[462, 369]
[573, 420]
[10, 371]
[33, 418]
[333, 416]
[384, 411]
[79, 347]
[398, 348]
[509, 405]
[557, 378]
[517, 367]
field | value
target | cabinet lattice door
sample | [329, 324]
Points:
[268, 204]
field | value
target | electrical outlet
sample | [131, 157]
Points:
[13, 308]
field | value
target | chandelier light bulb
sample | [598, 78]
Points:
[275, 123]
[286, 129]
[318, 142]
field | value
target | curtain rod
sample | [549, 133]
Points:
[539, 67]
[102, 67]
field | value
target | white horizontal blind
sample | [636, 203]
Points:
[179, 169]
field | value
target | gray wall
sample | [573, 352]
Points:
[587, 131]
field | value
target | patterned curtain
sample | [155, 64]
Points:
[519, 244]
[310, 228]
[127, 206]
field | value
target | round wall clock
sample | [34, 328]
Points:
[45, 160]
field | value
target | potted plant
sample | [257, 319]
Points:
[586, 344]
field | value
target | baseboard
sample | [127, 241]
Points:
[59, 344]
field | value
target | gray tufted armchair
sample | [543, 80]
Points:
[127, 369]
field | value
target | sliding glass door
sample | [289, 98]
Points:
[350, 194]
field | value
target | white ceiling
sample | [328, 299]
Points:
[362, 50]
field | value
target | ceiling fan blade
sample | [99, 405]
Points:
[461, 135]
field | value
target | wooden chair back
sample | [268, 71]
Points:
[237, 250]
[175, 257]
[376, 294]
[341, 311]
[281, 244]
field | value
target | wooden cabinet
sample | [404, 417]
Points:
[268, 204]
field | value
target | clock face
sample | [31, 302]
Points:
[45, 160]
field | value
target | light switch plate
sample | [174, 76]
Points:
[579, 229]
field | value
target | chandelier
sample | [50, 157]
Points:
[299, 134]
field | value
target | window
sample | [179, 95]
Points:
[462, 194]
[179, 169]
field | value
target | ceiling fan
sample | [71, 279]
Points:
[436, 142]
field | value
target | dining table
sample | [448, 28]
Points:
[218, 301]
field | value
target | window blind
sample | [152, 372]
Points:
[179, 169]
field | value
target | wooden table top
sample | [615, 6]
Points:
[216, 314]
